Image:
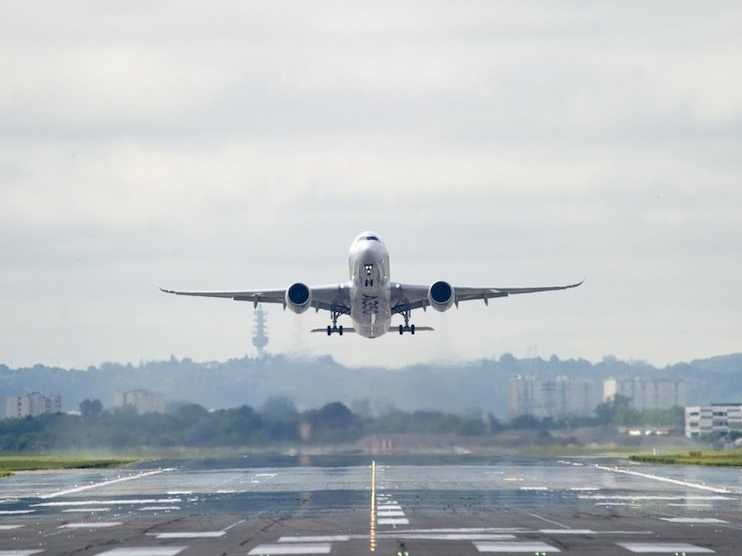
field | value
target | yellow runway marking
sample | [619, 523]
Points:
[372, 525]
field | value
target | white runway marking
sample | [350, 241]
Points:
[9, 527]
[466, 530]
[316, 538]
[86, 510]
[290, 548]
[156, 508]
[664, 548]
[690, 505]
[539, 488]
[651, 497]
[584, 489]
[393, 521]
[105, 483]
[388, 507]
[144, 551]
[390, 513]
[659, 478]
[551, 521]
[16, 512]
[525, 546]
[450, 536]
[91, 525]
[191, 535]
[567, 531]
[19, 552]
[107, 502]
[699, 520]
[179, 492]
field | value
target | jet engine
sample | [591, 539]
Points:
[441, 296]
[298, 297]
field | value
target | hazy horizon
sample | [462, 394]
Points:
[489, 144]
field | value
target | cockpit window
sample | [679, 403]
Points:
[371, 238]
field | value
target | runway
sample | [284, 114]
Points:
[328, 505]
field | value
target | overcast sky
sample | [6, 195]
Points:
[230, 145]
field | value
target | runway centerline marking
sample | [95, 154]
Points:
[662, 479]
[372, 522]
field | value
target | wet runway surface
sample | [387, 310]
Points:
[254, 506]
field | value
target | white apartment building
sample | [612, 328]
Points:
[721, 418]
[32, 405]
[647, 393]
[555, 397]
[143, 401]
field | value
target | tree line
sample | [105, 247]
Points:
[277, 422]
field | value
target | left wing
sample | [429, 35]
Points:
[329, 298]
[406, 297]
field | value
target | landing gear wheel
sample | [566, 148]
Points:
[412, 329]
[340, 329]
[329, 330]
[401, 329]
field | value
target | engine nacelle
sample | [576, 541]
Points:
[298, 297]
[441, 296]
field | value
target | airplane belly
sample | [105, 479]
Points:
[371, 315]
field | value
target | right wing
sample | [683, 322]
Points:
[329, 298]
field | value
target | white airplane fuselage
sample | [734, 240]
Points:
[370, 288]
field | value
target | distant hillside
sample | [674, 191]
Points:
[460, 388]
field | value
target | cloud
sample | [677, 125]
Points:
[489, 143]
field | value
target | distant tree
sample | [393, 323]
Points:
[525, 422]
[278, 408]
[90, 408]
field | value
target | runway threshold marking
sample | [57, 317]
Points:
[372, 523]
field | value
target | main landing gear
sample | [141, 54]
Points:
[406, 327]
[334, 328]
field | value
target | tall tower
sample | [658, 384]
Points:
[260, 339]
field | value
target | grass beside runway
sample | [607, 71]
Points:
[12, 463]
[718, 458]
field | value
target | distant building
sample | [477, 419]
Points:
[647, 393]
[555, 397]
[32, 404]
[720, 418]
[260, 338]
[143, 401]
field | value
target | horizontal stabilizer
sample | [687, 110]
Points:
[345, 330]
[417, 329]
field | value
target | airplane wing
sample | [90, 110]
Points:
[406, 297]
[329, 298]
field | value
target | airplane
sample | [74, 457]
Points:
[370, 298]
